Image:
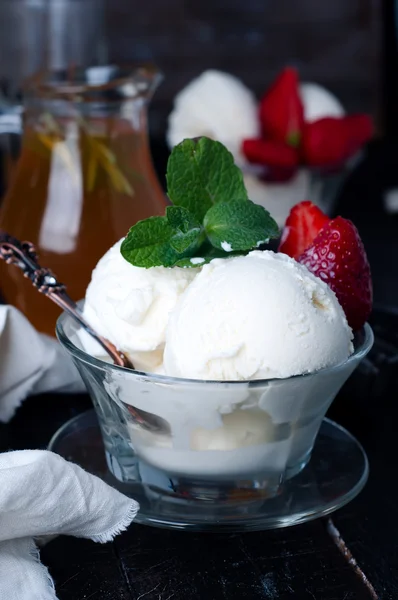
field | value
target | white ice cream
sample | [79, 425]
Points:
[318, 102]
[216, 105]
[131, 306]
[224, 430]
[255, 317]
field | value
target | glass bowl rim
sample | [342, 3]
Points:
[360, 351]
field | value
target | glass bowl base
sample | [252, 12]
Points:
[335, 474]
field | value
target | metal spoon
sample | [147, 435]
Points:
[24, 256]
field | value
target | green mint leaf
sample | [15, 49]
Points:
[239, 225]
[187, 243]
[154, 243]
[147, 244]
[201, 173]
[181, 218]
[189, 233]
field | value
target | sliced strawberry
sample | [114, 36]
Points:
[277, 174]
[359, 130]
[331, 141]
[270, 153]
[302, 226]
[281, 109]
[338, 257]
[279, 160]
[324, 142]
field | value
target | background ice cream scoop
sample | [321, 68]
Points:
[257, 316]
[131, 306]
[216, 105]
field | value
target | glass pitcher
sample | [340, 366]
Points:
[37, 34]
[83, 178]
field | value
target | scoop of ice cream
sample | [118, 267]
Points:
[130, 306]
[216, 105]
[239, 429]
[318, 102]
[257, 316]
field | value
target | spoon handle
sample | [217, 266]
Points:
[23, 255]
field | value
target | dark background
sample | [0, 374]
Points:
[335, 43]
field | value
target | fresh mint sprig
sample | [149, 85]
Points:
[201, 173]
[210, 217]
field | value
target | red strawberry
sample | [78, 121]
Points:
[331, 141]
[359, 130]
[324, 142]
[270, 153]
[279, 160]
[301, 228]
[277, 174]
[337, 256]
[281, 109]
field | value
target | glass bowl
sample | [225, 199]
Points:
[207, 440]
[322, 189]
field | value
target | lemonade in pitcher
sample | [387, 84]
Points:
[84, 176]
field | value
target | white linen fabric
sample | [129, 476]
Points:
[41, 494]
[30, 363]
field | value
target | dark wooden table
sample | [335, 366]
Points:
[352, 556]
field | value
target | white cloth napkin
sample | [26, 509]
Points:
[41, 495]
[30, 363]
